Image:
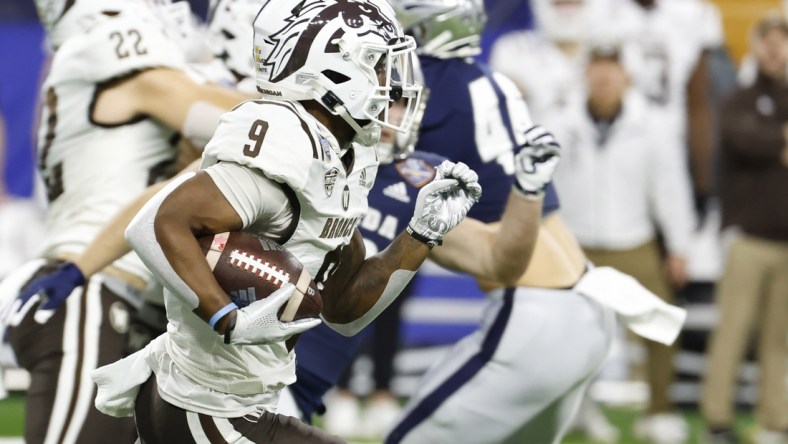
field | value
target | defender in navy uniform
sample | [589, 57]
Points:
[522, 374]
[323, 355]
[479, 118]
[472, 115]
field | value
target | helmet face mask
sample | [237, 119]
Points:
[50, 11]
[349, 55]
[395, 146]
[391, 67]
[231, 32]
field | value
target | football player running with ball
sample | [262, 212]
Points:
[292, 167]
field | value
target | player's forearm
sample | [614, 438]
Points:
[516, 237]
[373, 282]
[110, 243]
[163, 234]
[499, 252]
[179, 102]
[178, 241]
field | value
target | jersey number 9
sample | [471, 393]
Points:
[256, 135]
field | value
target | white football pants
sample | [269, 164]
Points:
[519, 378]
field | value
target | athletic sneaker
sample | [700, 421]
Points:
[725, 436]
[342, 417]
[662, 428]
[592, 422]
[770, 437]
[379, 416]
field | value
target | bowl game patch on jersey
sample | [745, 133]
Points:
[416, 171]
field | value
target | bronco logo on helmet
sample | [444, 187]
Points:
[308, 19]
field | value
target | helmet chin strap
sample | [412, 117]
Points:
[368, 135]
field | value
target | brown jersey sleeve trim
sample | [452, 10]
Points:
[107, 84]
[304, 126]
[296, 206]
[211, 431]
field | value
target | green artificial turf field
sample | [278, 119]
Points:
[12, 417]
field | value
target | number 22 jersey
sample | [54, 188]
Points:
[91, 170]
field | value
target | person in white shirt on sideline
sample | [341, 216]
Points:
[624, 178]
[550, 58]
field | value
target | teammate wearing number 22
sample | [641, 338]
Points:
[295, 167]
[113, 100]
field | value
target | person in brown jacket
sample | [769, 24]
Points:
[753, 291]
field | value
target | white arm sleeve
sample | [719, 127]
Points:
[142, 237]
[256, 199]
[259, 201]
[201, 122]
[398, 280]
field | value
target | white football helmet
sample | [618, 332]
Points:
[230, 26]
[63, 19]
[181, 26]
[563, 20]
[50, 11]
[443, 28]
[349, 55]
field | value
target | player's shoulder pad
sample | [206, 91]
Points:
[506, 86]
[276, 137]
[115, 47]
[500, 83]
[419, 168]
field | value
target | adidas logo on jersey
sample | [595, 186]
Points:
[398, 191]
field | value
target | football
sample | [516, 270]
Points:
[250, 268]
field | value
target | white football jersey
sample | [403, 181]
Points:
[292, 148]
[667, 42]
[327, 201]
[91, 170]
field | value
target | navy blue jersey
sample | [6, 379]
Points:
[479, 118]
[473, 116]
[323, 354]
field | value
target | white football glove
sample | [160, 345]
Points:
[258, 322]
[444, 202]
[536, 161]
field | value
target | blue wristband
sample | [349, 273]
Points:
[220, 314]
